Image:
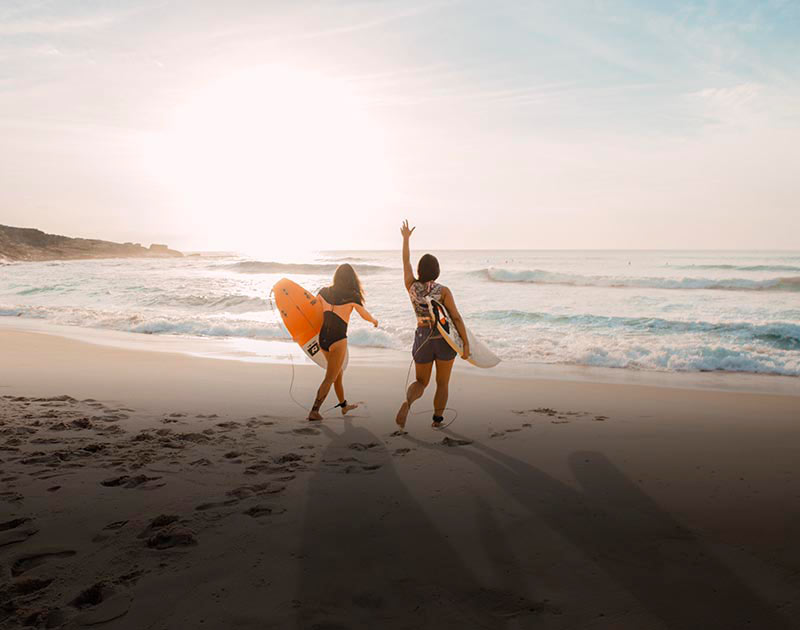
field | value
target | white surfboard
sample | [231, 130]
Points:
[480, 354]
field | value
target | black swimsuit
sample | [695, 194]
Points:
[334, 328]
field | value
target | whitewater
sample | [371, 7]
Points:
[671, 311]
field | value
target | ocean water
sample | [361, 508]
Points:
[672, 311]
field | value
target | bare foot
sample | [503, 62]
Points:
[436, 425]
[347, 408]
[402, 414]
[314, 415]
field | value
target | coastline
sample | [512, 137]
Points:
[287, 353]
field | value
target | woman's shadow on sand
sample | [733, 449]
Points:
[675, 576]
[372, 555]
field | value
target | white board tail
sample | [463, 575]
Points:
[480, 354]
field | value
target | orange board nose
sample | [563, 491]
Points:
[300, 310]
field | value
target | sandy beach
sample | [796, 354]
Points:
[156, 490]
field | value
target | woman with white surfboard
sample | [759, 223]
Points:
[429, 346]
[338, 302]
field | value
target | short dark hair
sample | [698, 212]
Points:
[427, 268]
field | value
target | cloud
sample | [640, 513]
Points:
[55, 26]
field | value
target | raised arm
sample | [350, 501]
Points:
[408, 273]
[365, 315]
[450, 305]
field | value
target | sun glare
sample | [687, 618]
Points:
[277, 149]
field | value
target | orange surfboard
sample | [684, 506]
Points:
[301, 312]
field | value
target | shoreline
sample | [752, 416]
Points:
[286, 352]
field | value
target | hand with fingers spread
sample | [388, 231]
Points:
[406, 231]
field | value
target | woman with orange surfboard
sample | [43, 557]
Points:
[338, 302]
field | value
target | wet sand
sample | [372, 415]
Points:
[154, 490]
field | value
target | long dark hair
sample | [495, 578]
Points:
[346, 284]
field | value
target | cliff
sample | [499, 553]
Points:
[30, 244]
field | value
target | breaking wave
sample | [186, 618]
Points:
[227, 303]
[539, 276]
[782, 335]
[256, 266]
[742, 267]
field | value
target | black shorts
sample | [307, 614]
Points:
[429, 345]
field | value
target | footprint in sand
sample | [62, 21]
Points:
[257, 422]
[111, 417]
[116, 525]
[214, 505]
[23, 587]
[288, 458]
[342, 460]
[194, 438]
[257, 511]
[257, 489]
[159, 522]
[101, 603]
[401, 451]
[16, 531]
[352, 469]
[357, 446]
[140, 481]
[306, 431]
[173, 536]
[11, 497]
[447, 441]
[36, 558]
[242, 493]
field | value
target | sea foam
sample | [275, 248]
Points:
[540, 276]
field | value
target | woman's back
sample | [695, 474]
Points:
[419, 292]
[338, 302]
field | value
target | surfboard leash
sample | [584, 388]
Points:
[361, 402]
[405, 391]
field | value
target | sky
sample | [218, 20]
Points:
[265, 126]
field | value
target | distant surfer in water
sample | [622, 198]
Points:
[338, 302]
[429, 346]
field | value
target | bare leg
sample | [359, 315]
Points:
[415, 390]
[335, 357]
[338, 386]
[443, 371]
